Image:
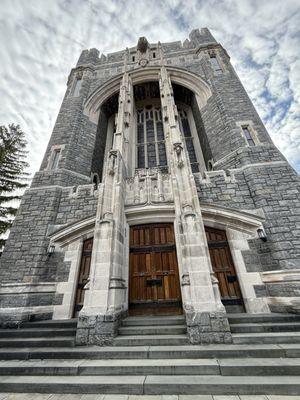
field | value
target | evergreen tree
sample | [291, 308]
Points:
[13, 177]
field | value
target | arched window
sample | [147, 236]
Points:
[151, 150]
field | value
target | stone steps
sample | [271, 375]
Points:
[226, 367]
[153, 384]
[153, 330]
[38, 342]
[148, 331]
[265, 327]
[151, 340]
[36, 333]
[261, 318]
[51, 324]
[218, 351]
[154, 321]
[153, 358]
[263, 337]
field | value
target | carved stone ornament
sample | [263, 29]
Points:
[143, 62]
[188, 209]
[178, 151]
[112, 158]
[185, 280]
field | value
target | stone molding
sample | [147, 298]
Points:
[177, 75]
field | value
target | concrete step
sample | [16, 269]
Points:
[260, 318]
[266, 327]
[150, 340]
[36, 332]
[260, 366]
[219, 351]
[111, 367]
[38, 342]
[154, 321]
[153, 384]
[232, 367]
[270, 337]
[51, 323]
[153, 330]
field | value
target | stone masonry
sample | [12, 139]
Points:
[88, 186]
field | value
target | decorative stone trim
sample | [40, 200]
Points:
[188, 79]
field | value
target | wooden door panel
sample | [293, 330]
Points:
[156, 280]
[83, 275]
[223, 266]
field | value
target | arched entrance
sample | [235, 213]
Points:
[154, 286]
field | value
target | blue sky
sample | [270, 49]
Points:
[41, 41]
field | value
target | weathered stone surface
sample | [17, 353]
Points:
[233, 175]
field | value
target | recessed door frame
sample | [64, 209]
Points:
[222, 254]
[158, 293]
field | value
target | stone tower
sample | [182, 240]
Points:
[160, 192]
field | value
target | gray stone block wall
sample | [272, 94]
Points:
[64, 196]
[275, 189]
[25, 257]
[76, 204]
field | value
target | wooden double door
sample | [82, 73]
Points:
[223, 268]
[154, 286]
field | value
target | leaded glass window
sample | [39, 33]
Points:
[189, 140]
[151, 150]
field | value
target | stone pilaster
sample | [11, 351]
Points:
[205, 314]
[105, 299]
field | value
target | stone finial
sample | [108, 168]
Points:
[126, 57]
[161, 53]
[142, 44]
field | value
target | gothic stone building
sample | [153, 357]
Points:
[160, 192]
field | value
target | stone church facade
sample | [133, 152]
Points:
[160, 192]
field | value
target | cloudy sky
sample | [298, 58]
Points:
[41, 40]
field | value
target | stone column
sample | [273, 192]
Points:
[105, 302]
[205, 314]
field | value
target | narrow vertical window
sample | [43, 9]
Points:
[189, 140]
[77, 87]
[214, 62]
[248, 136]
[55, 159]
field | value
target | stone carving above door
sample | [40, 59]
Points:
[149, 186]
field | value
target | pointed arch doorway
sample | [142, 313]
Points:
[154, 286]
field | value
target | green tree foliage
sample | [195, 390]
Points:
[13, 177]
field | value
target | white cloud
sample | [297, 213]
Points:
[42, 40]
